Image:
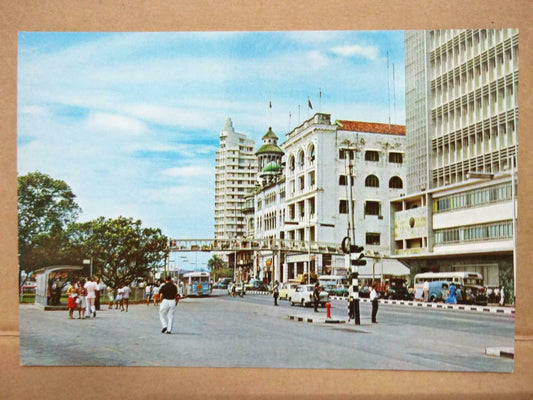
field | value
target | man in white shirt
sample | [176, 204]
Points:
[126, 296]
[374, 299]
[90, 286]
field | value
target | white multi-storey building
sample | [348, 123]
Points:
[236, 169]
[319, 156]
[462, 120]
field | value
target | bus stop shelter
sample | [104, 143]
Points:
[44, 279]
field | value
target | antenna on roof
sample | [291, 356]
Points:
[388, 84]
[393, 94]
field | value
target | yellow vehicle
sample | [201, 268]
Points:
[286, 287]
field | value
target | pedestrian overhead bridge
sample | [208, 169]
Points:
[282, 245]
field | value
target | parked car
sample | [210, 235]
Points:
[335, 290]
[222, 283]
[398, 290]
[239, 287]
[286, 288]
[256, 285]
[303, 295]
[364, 291]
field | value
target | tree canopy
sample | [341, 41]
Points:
[46, 206]
[121, 249]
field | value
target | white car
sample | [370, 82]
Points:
[303, 295]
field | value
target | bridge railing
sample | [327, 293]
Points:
[284, 245]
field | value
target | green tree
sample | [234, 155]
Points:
[217, 266]
[46, 206]
[121, 249]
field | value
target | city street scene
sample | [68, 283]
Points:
[315, 200]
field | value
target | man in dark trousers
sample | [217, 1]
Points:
[169, 300]
[276, 292]
[316, 296]
[374, 299]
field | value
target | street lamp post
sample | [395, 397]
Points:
[89, 261]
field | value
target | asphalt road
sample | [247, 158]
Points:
[250, 332]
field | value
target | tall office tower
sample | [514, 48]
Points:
[417, 110]
[461, 97]
[236, 169]
[462, 131]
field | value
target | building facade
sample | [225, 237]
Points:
[462, 124]
[235, 175]
[307, 203]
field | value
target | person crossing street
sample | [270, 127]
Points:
[169, 300]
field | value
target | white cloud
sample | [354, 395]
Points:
[33, 110]
[189, 171]
[370, 52]
[115, 122]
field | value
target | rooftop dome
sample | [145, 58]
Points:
[272, 167]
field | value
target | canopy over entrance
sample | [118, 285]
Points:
[44, 279]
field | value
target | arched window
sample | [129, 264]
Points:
[395, 183]
[311, 152]
[301, 158]
[372, 181]
[291, 163]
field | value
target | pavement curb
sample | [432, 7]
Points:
[442, 306]
[316, 320]
[507, 352]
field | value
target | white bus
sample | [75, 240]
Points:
[197, 283]
[470, 284]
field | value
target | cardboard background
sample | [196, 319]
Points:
[17, 382]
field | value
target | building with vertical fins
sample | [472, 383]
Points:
[235, 175]
[459, 212]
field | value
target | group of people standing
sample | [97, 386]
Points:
[119, 297]
[84, 296]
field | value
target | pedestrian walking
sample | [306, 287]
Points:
[126, 297]
[155, 292]
[148, 293]
[276, 292]
[374, 299]
[99, 289]
[118, 301]
[502, 297]
[426, 290]
[71, 301]
[169, 301]
[452, 296]
[316, 296]
[111, 297]
[81, 302]
[90, 286]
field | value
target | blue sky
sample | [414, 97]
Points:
[131, 120]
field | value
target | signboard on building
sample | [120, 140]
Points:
[410, 224]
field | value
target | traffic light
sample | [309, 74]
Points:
[357, 259]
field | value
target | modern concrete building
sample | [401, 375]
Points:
[459, 212]
[236, 169]
[319, 157]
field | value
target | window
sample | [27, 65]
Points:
[342, 180]
[301, 182]
[371, 155]
[343, 207]
[396, 158]
[301, 159]
[373, 239]
[372, 181]
[372, 208]
[395, 183]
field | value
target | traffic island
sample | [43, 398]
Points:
[507, 352]
[316, 320]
